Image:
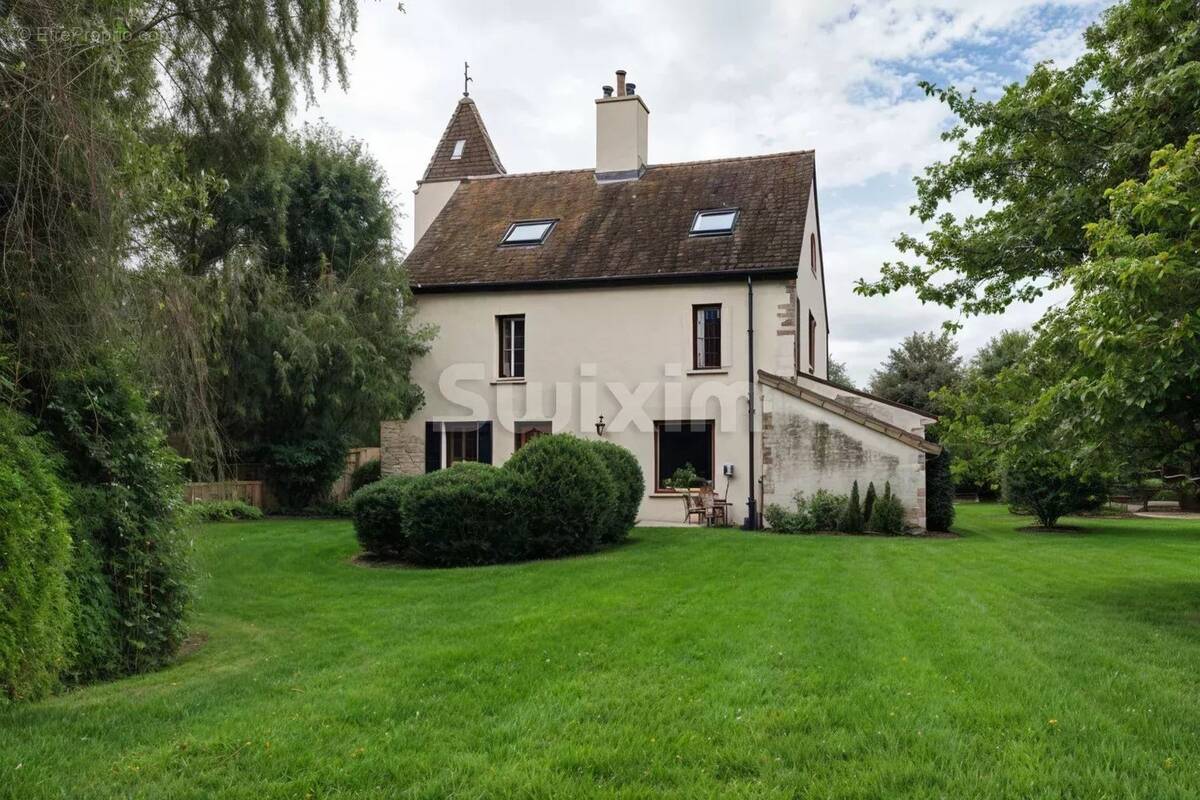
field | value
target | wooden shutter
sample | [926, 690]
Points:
[485, 442]
[433, 446]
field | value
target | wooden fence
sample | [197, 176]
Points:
[354, 459]
[247, 491]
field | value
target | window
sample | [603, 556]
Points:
[512, 346]
[682, 443]
[707, 325]
[812, 251]
[717, 222]
[458, 149]
[448, 443]
[526, 432]
[531, 232]
[812, 342]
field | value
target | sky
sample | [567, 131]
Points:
[720, 79]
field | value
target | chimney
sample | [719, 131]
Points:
[621, 133]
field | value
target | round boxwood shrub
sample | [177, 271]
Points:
[631, 487]
[572, 495]
[381, 516]
[467, 514]
[35, 553]
[364, 473]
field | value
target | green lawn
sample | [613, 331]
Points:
[688, 663]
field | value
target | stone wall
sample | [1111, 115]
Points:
[400, 451]
[806, 448]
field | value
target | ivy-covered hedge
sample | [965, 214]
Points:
[556, 496]
[35, 553]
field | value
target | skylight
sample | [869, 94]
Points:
[458, 149]
[717, 222]
[528, 232]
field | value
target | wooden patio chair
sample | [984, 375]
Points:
[693, 506]
[714, 507]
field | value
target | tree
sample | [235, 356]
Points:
[1046, 481]
[1127, 343]
[1041, 157]
[921, 365]
[979, 411]
[839, 376]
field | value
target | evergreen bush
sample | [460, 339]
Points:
[826, 509]
[35, 554]
[572, 496]
[364, 473]
[869, 505]
[851, 520]
[467, 514]
[631, 487]
[381, 516]
[125, 486]
[939, 490]
[888, 514]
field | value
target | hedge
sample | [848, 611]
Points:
[125, 487]
[35, 553]
[556, 496]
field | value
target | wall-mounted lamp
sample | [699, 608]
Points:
[600, 426]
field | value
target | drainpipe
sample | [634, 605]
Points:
[751, 521]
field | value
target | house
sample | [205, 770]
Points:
[645, 303]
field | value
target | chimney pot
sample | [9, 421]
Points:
[631, 89]
[607, 91]
[620, 83]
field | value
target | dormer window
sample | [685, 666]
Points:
[528, 232]
[458, 149]
[715, 222]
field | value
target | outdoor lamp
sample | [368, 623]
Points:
[600, 426]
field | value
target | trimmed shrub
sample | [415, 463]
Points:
[631, 487]
[467, 514]
[220, 511]
[939, 490]
[364, 473]
[125, 486]
[888, 514]
[1045, 483]
[35, 553]
[381, 516]
[572, 497]
[851, 520]
[826, 509]
[868, 505]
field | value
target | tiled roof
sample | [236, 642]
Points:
[478, 155]
[635, 229]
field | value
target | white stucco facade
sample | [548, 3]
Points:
[624, 352]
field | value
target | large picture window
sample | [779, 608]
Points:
[512, 346]
[681, 443]
[448, 443]
[706, 352]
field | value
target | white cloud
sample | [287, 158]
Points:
[721, 79]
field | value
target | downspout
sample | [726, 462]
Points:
[751, 521]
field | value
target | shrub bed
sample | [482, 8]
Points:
[557, 496]
[35, 553]
[220, 511]
[825, 511]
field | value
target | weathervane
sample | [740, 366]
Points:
[466, 79]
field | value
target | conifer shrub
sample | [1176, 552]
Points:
[888, 515]
[939, 490]
[869, 505]
[851, 520]
[465, 515]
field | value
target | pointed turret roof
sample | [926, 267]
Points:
[478, 154]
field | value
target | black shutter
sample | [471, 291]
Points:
[433, 446]
[485, 442]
